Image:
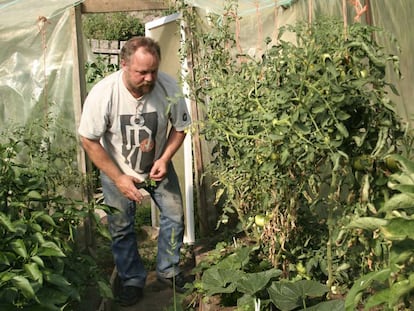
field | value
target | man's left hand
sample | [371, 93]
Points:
[158, 170]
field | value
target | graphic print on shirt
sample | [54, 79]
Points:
[138, 140]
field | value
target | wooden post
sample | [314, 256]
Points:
[79, 94]
[202, 206]
[79, 81]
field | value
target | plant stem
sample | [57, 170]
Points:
[329, 248]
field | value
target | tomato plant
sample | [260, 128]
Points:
[300, 133]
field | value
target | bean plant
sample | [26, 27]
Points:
[299, 138]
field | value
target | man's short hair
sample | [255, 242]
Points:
[135, 43]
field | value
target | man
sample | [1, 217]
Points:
[124, 130]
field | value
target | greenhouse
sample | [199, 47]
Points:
[296, 173]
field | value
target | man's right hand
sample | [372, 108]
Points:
[127, 185]
[124, 183]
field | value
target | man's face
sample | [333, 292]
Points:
[140, 73]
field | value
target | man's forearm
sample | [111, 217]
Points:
[100, 158]
[174, 142]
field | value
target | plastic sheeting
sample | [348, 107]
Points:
[36, 61]
[397, 18]
[261, 19]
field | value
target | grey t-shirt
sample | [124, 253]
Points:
[133, 132]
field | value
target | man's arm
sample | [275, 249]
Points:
[99, 156]
[159, 169]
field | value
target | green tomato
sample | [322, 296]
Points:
[363, 163]
[300, 268]
[326, 56]
[274, 156]
[391, 164]
[260, 220]
[363, 73]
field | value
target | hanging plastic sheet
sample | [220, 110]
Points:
[36, 62]
[397, 19]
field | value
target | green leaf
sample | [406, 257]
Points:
[33, 271]
[338, 99]
[37, 236]
[360, 139]
[5, 258]
[394, 89]
[309, 288]
[398, 201]
[251, 283]
[399, 229]
[367, 223]
[363, 283]
[342, 129]
[288, 296]
[38, 261]
[19, 248]
[318, 108]
[303, 128]
[341, 115]
[23, 284]
[378, 298]
[50, 249]
[219, 194]
[48, 219]
[56, 279]
[6, 276]
[401, 251]
[34, 195]
[283, 296]
[103, 231]
[236, 260]
[408, 189]
[245, 303]
[332, 305]
[49, 298]
[401, 179]
[406, 165]
[217, 281]
[105, 290]
[6, 222]
[399, 290]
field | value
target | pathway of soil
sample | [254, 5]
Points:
[157, 296]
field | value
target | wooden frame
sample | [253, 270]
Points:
[108, 6]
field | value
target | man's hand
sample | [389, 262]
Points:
[158, 170]
[126, 184]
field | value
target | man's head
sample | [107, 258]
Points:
[140, 59]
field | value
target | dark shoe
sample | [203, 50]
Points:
[179, 281]
[129, 296]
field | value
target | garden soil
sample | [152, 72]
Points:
[157, 296]
[160, 297]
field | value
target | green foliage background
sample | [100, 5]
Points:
[112, 26]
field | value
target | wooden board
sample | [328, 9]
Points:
[107, 6]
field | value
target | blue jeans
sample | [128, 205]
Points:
[167, 197]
